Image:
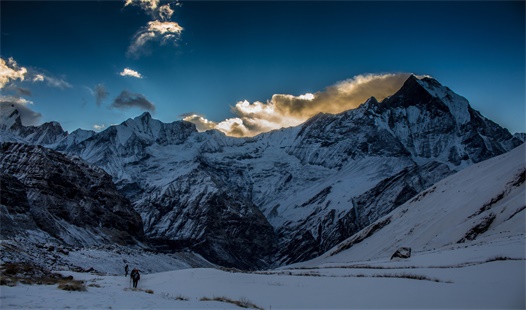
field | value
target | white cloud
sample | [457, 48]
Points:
[9, 71]
[161, 31]
[16, 100]
[20, 91]
[130, 72]
[99, 127]
[284, 110]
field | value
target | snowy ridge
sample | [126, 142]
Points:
[458, 105]
[307, 187]
[478, 206]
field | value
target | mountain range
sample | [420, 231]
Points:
[281, 197]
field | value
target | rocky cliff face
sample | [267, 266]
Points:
[290, 194]
[63, 197]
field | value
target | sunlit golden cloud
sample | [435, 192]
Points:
[284, 110]
[165, 12]
[9, 71]
[161, 29]
[200, 122]
[147, 5]
[164, 32]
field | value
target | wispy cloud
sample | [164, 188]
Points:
[284, 110]
[127, 100]
[36, 76]
[130, 72]
[20, 91]
[54, 82]
[99, 92]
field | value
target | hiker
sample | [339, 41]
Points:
[126, 271]
[135, 276]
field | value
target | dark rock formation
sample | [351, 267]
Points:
[402, 252]
[66, 198]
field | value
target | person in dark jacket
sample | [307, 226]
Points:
[126, 271]
[135, 276]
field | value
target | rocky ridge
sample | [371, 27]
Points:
[44, 191]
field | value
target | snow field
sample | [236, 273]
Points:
[450, 278]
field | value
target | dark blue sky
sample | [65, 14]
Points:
[233, 51]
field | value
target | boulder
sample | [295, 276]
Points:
[402, 252]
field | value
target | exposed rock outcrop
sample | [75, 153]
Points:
[70, 200]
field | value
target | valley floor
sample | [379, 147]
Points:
[486, 275]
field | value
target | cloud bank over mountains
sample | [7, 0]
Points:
[250, 118]
[284, 110]
[13, 95]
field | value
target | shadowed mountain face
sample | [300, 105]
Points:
[286, 195]
[66, 198]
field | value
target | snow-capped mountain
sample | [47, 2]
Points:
[287, 195]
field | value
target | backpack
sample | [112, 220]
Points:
[135, 275]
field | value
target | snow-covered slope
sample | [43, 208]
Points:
[491, 285]
[482, 207]
[287, 195]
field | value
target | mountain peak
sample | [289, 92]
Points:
[425, 91]
[10, 117]
[141, 120]
[145, 115]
